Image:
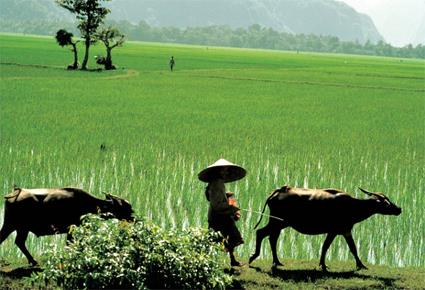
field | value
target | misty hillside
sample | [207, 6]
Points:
[322, 17]
[29, 10]
[325, 17]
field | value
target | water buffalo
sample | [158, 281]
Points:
[53, 211]
[319, 211]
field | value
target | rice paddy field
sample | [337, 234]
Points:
[143, 133]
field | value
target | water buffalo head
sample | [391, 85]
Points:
[119, 207]
[383, 204]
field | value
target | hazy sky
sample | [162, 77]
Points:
[399, 21]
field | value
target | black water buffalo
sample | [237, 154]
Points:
[53, 211]
[319, 211]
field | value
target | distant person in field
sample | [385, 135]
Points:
[223, 211]
[172, 63]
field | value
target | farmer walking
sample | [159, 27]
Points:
[223, 210]
[172, 63]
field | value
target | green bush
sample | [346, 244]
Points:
[116, 254]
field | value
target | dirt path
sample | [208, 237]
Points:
[123, 73]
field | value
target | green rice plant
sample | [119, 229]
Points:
[306, 120]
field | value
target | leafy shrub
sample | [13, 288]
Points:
[116, 254]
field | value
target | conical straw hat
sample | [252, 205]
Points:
[212, 172]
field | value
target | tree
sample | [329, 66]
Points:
[90, 14]
[64, 38]
[111, 38]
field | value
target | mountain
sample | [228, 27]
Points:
[29, 10]
[321, 17]
[324, 17]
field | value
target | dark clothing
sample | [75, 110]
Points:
[221, 214]
[226, 225]
[172, 63]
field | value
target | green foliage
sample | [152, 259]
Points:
[63, 37]
[115, 254]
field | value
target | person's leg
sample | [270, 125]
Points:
[233, 261]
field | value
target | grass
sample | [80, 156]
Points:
[295, 274]
[313, 120]
[298, 274]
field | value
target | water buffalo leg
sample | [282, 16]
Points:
[4, 233]
[21, 237]
[264, 232]
[328, 241]
[261, 234]
[349, 239]
[274, 236]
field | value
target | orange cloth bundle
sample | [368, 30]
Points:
[233, 202]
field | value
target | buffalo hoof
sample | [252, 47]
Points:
[361, 267]
[276, 264]
[33, 263]
[324, 268]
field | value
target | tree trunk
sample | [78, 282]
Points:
[86, 56]
[74, 49]
[108, 62]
